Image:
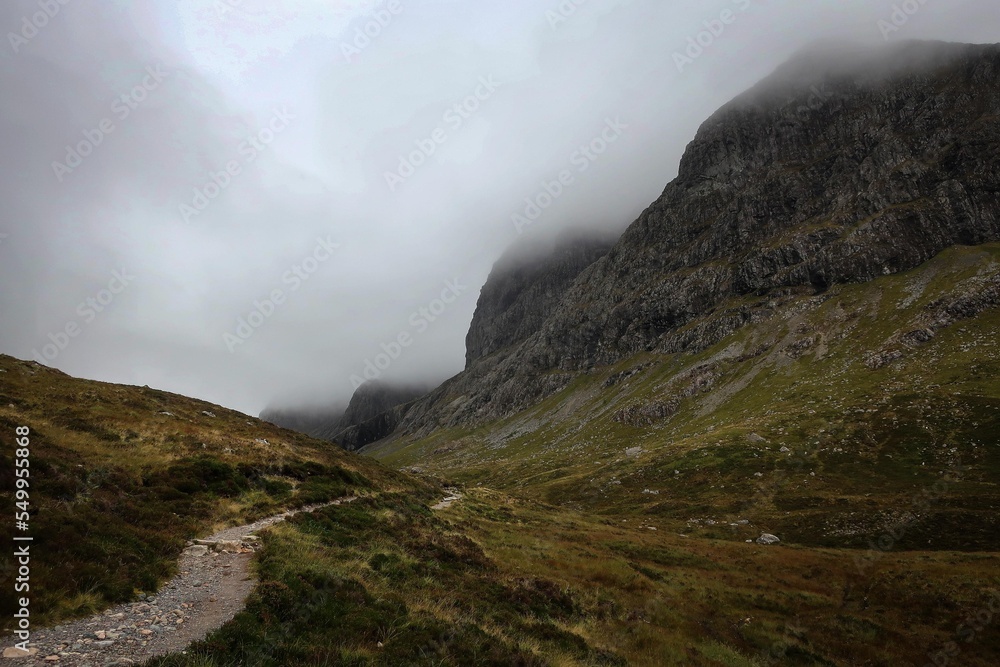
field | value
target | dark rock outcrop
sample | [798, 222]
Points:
[353, 426]
[372, 430]
[373, 398]
[836, 169]
[522, 291]
[823, 174]
[373, 413]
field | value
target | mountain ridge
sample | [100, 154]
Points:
[763, 427]
[520, 291]
[766, 202]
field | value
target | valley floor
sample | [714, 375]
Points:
[495, 580]
[861, 425]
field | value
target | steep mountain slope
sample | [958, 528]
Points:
[832, 171]
[523, 288]
[373, 398]
[371, 430]
[374, 413]
[348, 426]
[796, 335]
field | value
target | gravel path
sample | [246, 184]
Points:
[453, 497]
[211, 588]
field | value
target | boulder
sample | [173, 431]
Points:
[227, 546]
[13, 652]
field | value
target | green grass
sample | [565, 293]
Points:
[384, 581]
[582, 538]
[117, 487]
[862, 441]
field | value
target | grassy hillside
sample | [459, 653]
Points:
[123, 476]
[820, 422]
[861, 425]
[607, 526]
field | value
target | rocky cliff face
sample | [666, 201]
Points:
[371, 430]
[373, 413]
[373, 398]
[836, 169]
[341, 425]
[823, 174]
[522, 291]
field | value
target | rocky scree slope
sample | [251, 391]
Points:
[830, 171]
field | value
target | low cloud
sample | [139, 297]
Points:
[206, 146]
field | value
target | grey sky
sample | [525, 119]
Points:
[287, 126]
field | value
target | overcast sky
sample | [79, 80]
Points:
[168, 163]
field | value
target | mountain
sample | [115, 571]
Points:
[523, 288]
[796, 333]
[347, 425]
[835, 170]
[373, 413]
[763, 428]
[375, 397]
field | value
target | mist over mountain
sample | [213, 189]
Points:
[607, 333]
[271, 82]
[844, 165]
[338, 423]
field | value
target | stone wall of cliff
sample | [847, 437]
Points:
[833, 170]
